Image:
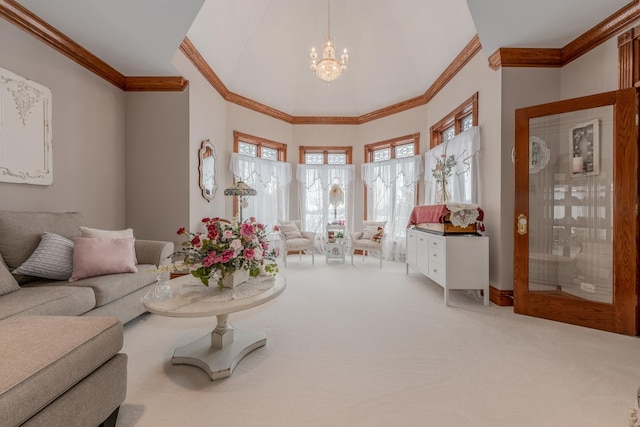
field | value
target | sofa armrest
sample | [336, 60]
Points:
[153, 251]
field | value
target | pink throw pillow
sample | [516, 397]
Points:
[94, 256]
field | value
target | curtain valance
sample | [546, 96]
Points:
[389, 170]
[325, 175]
[248, 168]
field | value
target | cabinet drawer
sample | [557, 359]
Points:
[436, 273]
[436, 242]
[436, 256]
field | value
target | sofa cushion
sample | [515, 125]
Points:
[20, 233]
[52, 259]
[47, 300]
[61, 352]
[7, 281]
[94, 256]
[109, 287]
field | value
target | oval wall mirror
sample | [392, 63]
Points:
[207, 169]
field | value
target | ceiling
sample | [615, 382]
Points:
[260, 48]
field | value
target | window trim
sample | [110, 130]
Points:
[260, 142]
[454, 118]
[392, 143]
[326, 150]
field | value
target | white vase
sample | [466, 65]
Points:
[577, 165]
[234, 279]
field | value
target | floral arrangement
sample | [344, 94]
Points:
[226, 247]
[442, 171]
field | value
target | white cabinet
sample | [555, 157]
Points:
[453, 262]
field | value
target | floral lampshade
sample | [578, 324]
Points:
[240, 190]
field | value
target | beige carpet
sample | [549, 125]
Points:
[359, 346]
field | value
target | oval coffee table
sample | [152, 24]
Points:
[218, 353]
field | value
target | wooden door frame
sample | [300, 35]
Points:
[620, 316]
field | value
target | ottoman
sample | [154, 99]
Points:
[61, 371]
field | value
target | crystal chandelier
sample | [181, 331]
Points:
[328, 68]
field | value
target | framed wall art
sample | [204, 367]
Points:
[26, 154]
[585, 149]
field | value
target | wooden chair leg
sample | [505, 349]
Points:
[111, 419]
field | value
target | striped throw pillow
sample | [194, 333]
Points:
[52, 259]
[7, 281]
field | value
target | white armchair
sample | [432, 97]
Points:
[371, 238]
[296, 240]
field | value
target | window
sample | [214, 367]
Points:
[325, 155]
[459, 120]
[260, 163]
[319, 169]
[391, 175]
[259, 147]
[451, 164]
[404, 146]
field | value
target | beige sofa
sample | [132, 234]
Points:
[59, 340]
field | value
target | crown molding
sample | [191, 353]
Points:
[155, 84]
[33, 25]
[27, 21]
[525, 57]
[203, 67]
[544, 57]
[469, 51]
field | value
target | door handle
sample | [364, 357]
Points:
[522, 224]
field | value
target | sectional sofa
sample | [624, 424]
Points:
[60, 339]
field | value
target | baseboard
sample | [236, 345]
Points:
[500, 297]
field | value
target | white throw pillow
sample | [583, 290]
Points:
[52, 259]
[368, 232]
[127, 233]
[290, 230]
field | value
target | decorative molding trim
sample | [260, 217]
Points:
[24, 19]
[469, 51]
[27, 21]
[155, 84]
[538, 57]
[500, 297]
[601, 32]
[201, 65]
[525, 57]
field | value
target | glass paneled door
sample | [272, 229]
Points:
[576, 211]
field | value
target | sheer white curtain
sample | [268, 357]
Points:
[271, 180]
[391, 195]
[313, 193]
[457, 158]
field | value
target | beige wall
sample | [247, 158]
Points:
[157, 171]
[207, 120]
[595, 72]
[88, 135]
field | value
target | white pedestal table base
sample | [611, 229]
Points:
[219, 353]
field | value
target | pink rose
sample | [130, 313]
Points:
[226, 256]
[247, 229]
[209, 260]
[249, 254]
